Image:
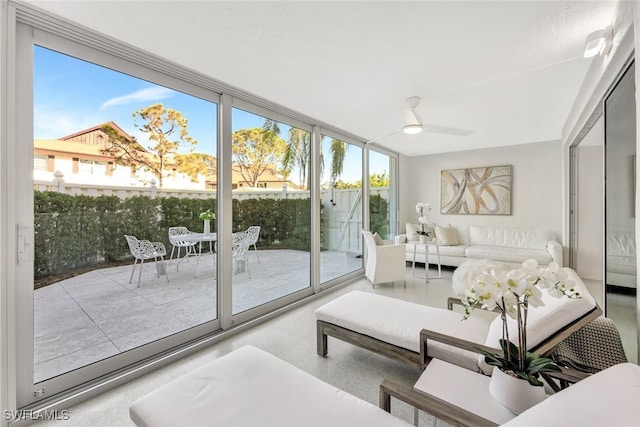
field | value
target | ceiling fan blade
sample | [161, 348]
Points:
[446, 130]
[383, 137]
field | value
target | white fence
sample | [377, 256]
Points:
[341, 209]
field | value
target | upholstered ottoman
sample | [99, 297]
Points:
[249, 387]
[609, 398]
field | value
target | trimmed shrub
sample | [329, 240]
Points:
[73, 232]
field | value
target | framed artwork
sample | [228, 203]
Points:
[476, 191]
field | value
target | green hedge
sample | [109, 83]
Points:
[73, 232]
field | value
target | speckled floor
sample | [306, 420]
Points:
[291, 337]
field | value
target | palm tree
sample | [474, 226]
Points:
[298, 153]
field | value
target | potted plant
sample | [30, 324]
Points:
[512, 293]
[421, 208]
[207, 216]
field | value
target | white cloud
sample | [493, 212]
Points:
[51, 124]
[149, 94]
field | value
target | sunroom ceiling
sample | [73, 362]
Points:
[507, 70]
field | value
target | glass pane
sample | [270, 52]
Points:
[620, 215]
[128, 158]
[381, 196]
[271, 210]
[341, 210]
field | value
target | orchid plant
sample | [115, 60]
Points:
[512, 292]
[421, 208]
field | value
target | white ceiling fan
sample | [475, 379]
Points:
[413, 123]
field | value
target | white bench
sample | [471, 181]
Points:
[249, 387]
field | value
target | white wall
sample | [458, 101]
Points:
[536, 196]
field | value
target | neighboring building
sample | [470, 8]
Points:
[80, 158]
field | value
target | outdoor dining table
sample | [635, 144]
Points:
[200, 238]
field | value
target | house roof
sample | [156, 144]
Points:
[95, 128]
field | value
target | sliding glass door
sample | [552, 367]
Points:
[271, 237]
[341, 208]
[382, 194]
[123, 163]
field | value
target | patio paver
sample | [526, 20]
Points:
[99, 314]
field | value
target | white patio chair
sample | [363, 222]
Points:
[239, 249]
[177, 242]
[143, 250]
[253, 234]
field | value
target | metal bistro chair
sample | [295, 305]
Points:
[239, 249]
[253, 234]
[177, 242]
[143, 250]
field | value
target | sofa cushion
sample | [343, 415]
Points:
[399, 322]
[412, 232]
[508, 254]
[458, 250]
[621, 244]
[447, 235]
[509, 237]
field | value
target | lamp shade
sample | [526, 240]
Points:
[412, 129]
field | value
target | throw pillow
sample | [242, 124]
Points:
[447, 235]
[412, 232]
[378, 239]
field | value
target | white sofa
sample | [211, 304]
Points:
[508, 245]
[621, 259]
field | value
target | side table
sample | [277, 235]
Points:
[451, 393]
[426, 260]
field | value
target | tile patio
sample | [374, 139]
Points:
[99, 314]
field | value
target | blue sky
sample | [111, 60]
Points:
[71, 95]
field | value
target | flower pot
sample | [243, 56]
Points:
[423, 238]
[207, 227]
[515, 394]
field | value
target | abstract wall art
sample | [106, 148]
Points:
[476, 191]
